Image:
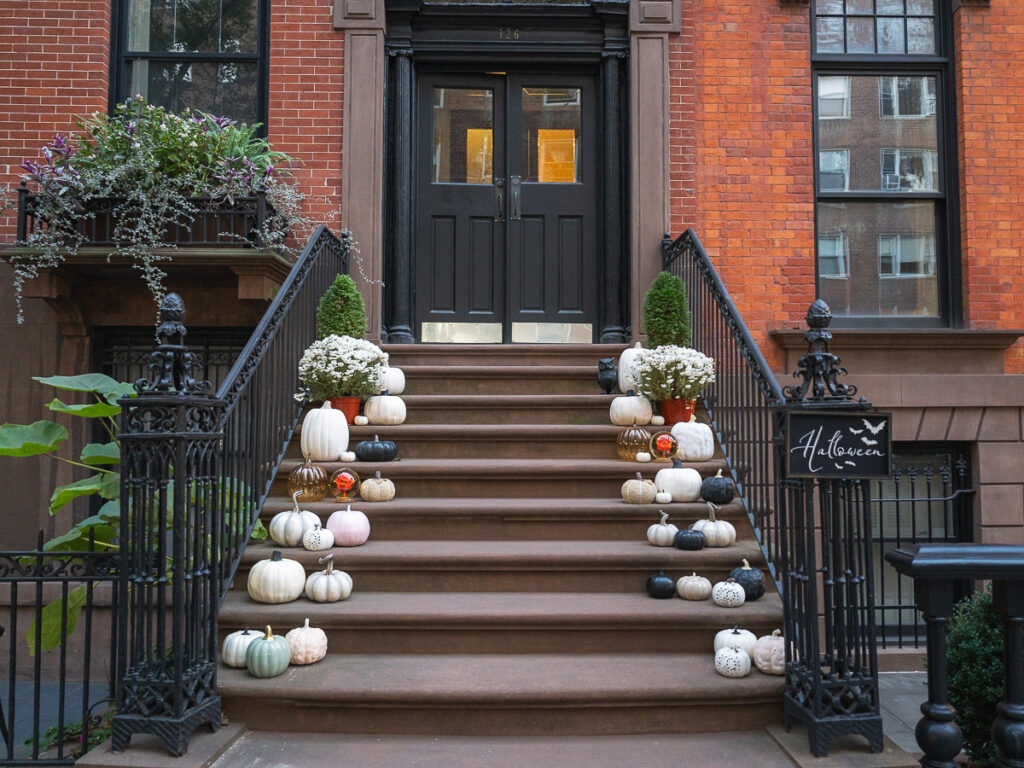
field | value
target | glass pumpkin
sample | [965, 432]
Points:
[663, 446]
[345, 485]
[309, 481]
[631, 441]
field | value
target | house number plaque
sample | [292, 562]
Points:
[508, 33]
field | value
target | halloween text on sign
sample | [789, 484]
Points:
[833, 444]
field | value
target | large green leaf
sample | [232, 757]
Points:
[31, 439]
[50, 633]
[101, 453]
[77, 539]
[88, 410]
[110, 486]
[86, 382]
[259, 532]
[65, 494]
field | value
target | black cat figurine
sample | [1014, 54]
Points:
[607, 376]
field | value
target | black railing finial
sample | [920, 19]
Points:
[819, 369]
[172, 364]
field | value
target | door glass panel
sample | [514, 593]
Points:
[551, 135]
[463, 135]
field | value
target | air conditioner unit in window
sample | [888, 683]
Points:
[890, 181]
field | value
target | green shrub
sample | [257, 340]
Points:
[667, 312]
[341, 311]
[975, 663]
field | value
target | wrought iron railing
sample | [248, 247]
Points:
[741, 402]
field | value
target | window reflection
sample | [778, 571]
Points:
[551, 135]
[463, 136]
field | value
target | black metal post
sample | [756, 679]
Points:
[1008, 729]
[170, 546]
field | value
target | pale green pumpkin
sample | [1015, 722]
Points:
[268, 656]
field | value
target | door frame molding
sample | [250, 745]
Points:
[418, 34]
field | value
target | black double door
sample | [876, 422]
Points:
[506, 207]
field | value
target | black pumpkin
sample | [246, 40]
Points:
[717, 489]
[376, 450]
[689, 540]
[751, 579]
[661, 586]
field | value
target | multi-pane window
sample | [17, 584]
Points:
[199, 54]
[883, 175]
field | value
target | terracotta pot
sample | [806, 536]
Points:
[678, 409]
[347, 405]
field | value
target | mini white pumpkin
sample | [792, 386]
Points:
[377, 488]
[694, 587]
[682, 483]
[657, 420]
[359, 421]
[276, 580]
[629, 408]
[643, 457]
[743, 639]
[662, 534]
[324, 433]
[717, 533]
[696, 441]
[732, 662]
[728, 594]
[286, 529]
[770, 653]
[385, 409]
[233, 651]
[317, 539]
[328, 586]
[638, 490]
[348, 456]
[393, 380]
[308, 644]
[663, 497]
[627, 360]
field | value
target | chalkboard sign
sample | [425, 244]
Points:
[833, 444]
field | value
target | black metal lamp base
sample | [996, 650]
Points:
[821, 731]
[174, 732]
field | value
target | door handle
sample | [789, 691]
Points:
[513, 213]
[499, 199]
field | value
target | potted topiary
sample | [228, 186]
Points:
[341, 311]
[667, 312]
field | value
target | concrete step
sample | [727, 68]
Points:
[506, 622]
[424, 519]
[503, 694]
[510, 355]
[500, 478]
[512, 566]
[508, 409]
[501, 379]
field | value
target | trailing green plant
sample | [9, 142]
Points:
[151, 165]
[341, 311]
[667, 312]
[101, 729]
[976, 673]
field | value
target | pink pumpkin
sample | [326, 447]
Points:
[349, 526]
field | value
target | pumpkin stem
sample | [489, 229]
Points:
[376, 439]
[377, 474]
[270, 635]
[718, 473]
[677, 464]
[746, 565]
[711, 511]
[306, 625]
[776, 633]
[329, 559]
[275, 555]
[295, 500]
[639, 476]
[735, 628]
[664, 517]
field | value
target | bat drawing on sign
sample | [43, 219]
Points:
[838, 466]
[869, 442]
[874, 429]
[855, 431]
[850, 463]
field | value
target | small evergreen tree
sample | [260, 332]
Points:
[667, 312]
[341, 310]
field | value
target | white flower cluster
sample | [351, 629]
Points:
[668, 372]
[338, 366]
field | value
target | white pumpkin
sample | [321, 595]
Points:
[377, 488]
[628, 358]
[717, 533]
[359, 421]
[328, 586]
[770, 653]
[324, 433]
[743, 639]
[638, 490]
[349, 526]
[308, 644]
[233, 651]
[657, 420]
[663, 497]
[732, 662]
[694, 587]
[286, 529]
[662, 534]
[385, 409]
[317, 539]
[349, 456]
[683, 483]
[643, 457]
[728, 594]
[627, 409]
[276, 580]
[696, 441]
[393, 380]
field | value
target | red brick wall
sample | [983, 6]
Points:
[307, 57]
[753, 202]
[54, 64]
[990, 101]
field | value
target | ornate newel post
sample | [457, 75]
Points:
[832, 445]
[170, 547]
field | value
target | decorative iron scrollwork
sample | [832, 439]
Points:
[172, 363]
[819, 369]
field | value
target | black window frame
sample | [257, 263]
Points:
[120, 55]
[939, 65]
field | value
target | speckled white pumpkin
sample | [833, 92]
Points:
[732, 662]
[728, 594]
[317, 539]
[308, 644]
